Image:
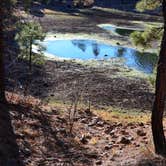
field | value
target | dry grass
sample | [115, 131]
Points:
[62, 15]
[109, 113]
[93, 141]
[123, 116]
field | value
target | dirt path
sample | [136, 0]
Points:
[43, 137]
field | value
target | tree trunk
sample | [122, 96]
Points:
[2, 77]
[160, 96]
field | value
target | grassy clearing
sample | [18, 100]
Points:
[112, 114]
[62, 15]
[123, 116]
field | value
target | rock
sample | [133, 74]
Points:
[85, 139]
[136, 144]
[108, 147]
[84, 120]
[100, 123]
[119, 124]
[113, 132]
[141, 133]
[124, 140]
[26, 151]
[93, 122]
[141, 124]
[99, 162]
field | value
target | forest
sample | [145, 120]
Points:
[82, 82]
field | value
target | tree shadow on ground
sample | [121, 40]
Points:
[154, 161]
[44, 136]
[37, 9]
[9, 150]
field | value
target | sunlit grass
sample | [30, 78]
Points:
[123, 116]
[112, 114]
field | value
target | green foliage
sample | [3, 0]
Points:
[29, 33]
[152, 77]
[148, 5]
[151, 35]
[147, 38]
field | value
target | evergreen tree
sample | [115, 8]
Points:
[29, 34]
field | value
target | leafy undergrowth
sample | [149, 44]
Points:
[42, 133]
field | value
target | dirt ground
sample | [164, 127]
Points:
[99, 136]
[43, 136]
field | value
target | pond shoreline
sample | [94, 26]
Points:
[125, 88]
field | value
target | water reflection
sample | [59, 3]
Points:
[96, 49]
[89, 49]
[80, 44]
[120, 52]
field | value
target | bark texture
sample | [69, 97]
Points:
[160, 96]
[2, 75]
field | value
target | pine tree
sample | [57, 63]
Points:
[30, 33]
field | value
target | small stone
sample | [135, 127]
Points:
[93, 122]
[136, 145]
[141, 124]
[141, 133]
[99, 162]
[84, 120]
[108, 147]
[100, 123]
[26, 151]
[113, 132]
[124, 140]
[85, 139]
[119, 124]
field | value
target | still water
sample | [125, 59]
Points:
[90, 49]
[118, 30]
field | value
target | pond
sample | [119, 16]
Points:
[123, 31]
[90, 49]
